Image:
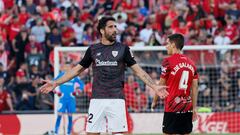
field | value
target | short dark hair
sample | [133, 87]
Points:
[178, 39]
[103, 22]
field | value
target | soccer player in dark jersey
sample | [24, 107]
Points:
[109, 59]
[180, 75]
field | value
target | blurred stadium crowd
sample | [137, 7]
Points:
[30, 29]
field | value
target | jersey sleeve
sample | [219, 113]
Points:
[165, 69]
[87, 59]
[128, 57]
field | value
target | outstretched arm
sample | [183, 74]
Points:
[51, 85]
[159, 90]
[75, 71]
[162, 82]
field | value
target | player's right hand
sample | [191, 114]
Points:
[161, 91]
[48, 86]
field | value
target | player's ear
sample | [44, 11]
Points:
[173, 45]
[101, 31]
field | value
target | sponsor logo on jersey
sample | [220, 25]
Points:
[106, 63]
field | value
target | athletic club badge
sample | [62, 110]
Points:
[114, 53]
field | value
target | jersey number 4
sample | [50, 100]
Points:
[184, 80]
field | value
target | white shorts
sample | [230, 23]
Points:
[107, 115]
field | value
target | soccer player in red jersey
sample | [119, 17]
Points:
[180, 74]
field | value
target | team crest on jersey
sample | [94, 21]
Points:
[114, 53]
[177, 100]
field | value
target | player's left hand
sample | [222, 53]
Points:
[194, 117]
[48, 86]
[161, 91]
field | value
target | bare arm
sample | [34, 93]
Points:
[162, 82]
[51, 85]
[138, 71]
[159, 90]
[70, 74]
[194, 93]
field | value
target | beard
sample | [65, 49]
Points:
[111, 37]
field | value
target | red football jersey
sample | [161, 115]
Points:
[179, 72]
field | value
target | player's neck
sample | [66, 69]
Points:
[104, 41]
[176, 52]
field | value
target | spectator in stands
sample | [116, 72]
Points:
[211, 24]
[32, 89]
[204, 96]
[32, 44]
[21, 82]
[44, 68]
[150, 94]
[221, 39]
[5, 57]
[147, 58]
[121, 24]
[5, 98]
[33, 71]
[155, 39]
[23, 15]
[135, 100]
[5, 75]
[224, 80]
[128, 40]
[68, 35]
[24, 103]
[19, 44]
[44, 101]
[131, 31]
[31, 7]
[226, 103]
[78, 28]
[208, 57]
[231, 30]
[1, 6]
[233, 10]
[15, 27]
[40, 30]
[54, 38]
[88, 37]
[182, 28]
[146, 33]
[140, 101]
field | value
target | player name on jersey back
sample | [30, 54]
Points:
[182, 65]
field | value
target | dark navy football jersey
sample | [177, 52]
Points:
[108, 64]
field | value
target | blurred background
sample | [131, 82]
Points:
[30, 29]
